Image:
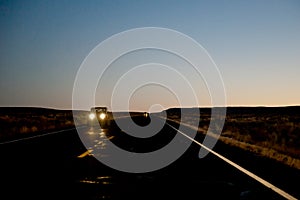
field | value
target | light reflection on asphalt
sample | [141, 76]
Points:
[97, 139]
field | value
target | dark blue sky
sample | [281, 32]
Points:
[255, 44]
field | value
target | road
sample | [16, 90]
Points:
[58, 166]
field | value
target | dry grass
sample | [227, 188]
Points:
[20, 122]
[272, 136]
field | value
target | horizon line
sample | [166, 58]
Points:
[227, 106]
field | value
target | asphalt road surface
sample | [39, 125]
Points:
[58, 166]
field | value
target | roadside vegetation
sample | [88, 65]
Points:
[270, 132]
[22, 122]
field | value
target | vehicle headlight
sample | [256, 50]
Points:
[102, 116]
[92, 116]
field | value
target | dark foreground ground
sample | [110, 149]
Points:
[48, 167]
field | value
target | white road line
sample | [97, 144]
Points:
[41, 135]
[257, 178]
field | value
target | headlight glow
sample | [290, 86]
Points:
[102, 116]
[92, 116]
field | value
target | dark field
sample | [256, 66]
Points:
[272, 132]
[57, 166]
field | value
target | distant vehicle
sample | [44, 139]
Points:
[99, 115]
[146, 114]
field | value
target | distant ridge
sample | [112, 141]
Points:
[290, 110]
[294, 110]
[28, 109]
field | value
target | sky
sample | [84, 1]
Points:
[254, 44]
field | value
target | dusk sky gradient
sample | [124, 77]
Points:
[255, 44]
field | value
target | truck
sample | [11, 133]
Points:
[99, 116]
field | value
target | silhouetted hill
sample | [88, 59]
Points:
[288, 110]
